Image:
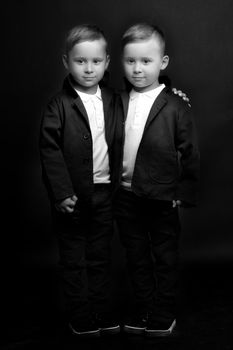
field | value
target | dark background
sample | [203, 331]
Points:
[200, 45]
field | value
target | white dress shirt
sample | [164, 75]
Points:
[94, 108]
[139, 108]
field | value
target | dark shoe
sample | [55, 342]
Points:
[160, 328]
[84, 328]
[136, 324]
[107, 324]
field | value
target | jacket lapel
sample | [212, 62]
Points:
[158, 104]
[80, 106]
[106, 97]
[156, 107]
[125, 102]
[77, 102]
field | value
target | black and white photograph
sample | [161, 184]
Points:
[117, 175]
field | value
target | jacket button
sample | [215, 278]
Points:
[86, 136]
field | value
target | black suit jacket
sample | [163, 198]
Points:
[66, 144]
[167, 162]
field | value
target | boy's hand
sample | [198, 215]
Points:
[176, 203]
[181, 94]
[67, 205]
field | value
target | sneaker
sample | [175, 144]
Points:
[136, 324]
[160, 328]
[107, 324]
[86, 328]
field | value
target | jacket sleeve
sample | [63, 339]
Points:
[54, 170]
[187, 146]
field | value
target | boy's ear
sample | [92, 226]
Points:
[64, 60]
[165, 61]
[107, 62]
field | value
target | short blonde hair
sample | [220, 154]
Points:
[83, 32]
[143, 31]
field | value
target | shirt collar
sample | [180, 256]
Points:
[151, 93]
[86, 97]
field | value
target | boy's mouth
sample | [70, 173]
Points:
[137, 78]
[89, 78]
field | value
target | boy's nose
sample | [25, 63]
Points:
[137, 67]
[89, 67]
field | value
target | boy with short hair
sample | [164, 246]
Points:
[160, 172]
[76, 147]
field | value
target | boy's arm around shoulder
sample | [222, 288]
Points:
[188, 148]
[55, 172]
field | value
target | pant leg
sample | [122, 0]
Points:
[164, 232]
[71, 232]
[133, 232]
[98, 252]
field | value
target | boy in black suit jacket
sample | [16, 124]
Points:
[159, 173]
[76, 147]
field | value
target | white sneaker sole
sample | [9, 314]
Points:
[160, 332]
[110, 330]
[134, 330]
[95, 333]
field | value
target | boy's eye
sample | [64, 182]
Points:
[146, 61]
[79, 61]
[97, 61]
[129, 60]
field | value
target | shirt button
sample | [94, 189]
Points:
[86, 136]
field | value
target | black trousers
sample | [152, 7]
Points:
[149, 231]
[84, 239]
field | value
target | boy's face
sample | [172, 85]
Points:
[87, 62]
[142, 62]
